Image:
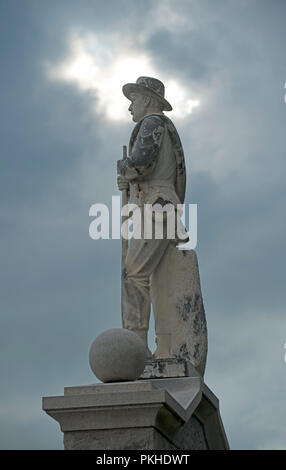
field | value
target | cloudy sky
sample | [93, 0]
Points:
[63, 124]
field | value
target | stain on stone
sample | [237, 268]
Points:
[196, 350]
[180, 360]
[187, 307]
[197, 301]
[161, 367]
[183, 352]
[191, 304]
[199, 321]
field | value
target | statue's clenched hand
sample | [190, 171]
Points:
[122, 183]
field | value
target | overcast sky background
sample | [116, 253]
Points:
[63, 124]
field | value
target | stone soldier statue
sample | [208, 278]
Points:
[154, 172]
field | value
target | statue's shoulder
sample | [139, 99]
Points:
[152, 120]
[160, 119]
[150, 123]
[146, 125]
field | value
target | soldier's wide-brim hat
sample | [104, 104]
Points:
[148, 85]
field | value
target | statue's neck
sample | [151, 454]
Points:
[153, 111]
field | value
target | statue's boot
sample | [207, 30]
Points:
[164, 346]
[143, 334]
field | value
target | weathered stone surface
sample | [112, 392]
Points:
[171, 367]
[117, 355]
[117, 439]
[157, 414]
[191, 436]
[178, 305]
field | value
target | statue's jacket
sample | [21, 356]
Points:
[155, 166]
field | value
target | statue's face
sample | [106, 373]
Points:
[138, 106]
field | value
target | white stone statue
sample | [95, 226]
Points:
[155, 271]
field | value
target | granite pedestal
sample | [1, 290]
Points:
[165, 413]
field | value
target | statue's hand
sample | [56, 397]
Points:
[122, 183]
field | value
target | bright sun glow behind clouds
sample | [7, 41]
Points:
[102, 72]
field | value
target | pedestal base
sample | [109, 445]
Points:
[161, 414]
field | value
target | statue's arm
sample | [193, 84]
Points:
[146, 149]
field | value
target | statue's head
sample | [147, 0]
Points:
[147, 96]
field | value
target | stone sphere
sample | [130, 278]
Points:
[117, 355]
